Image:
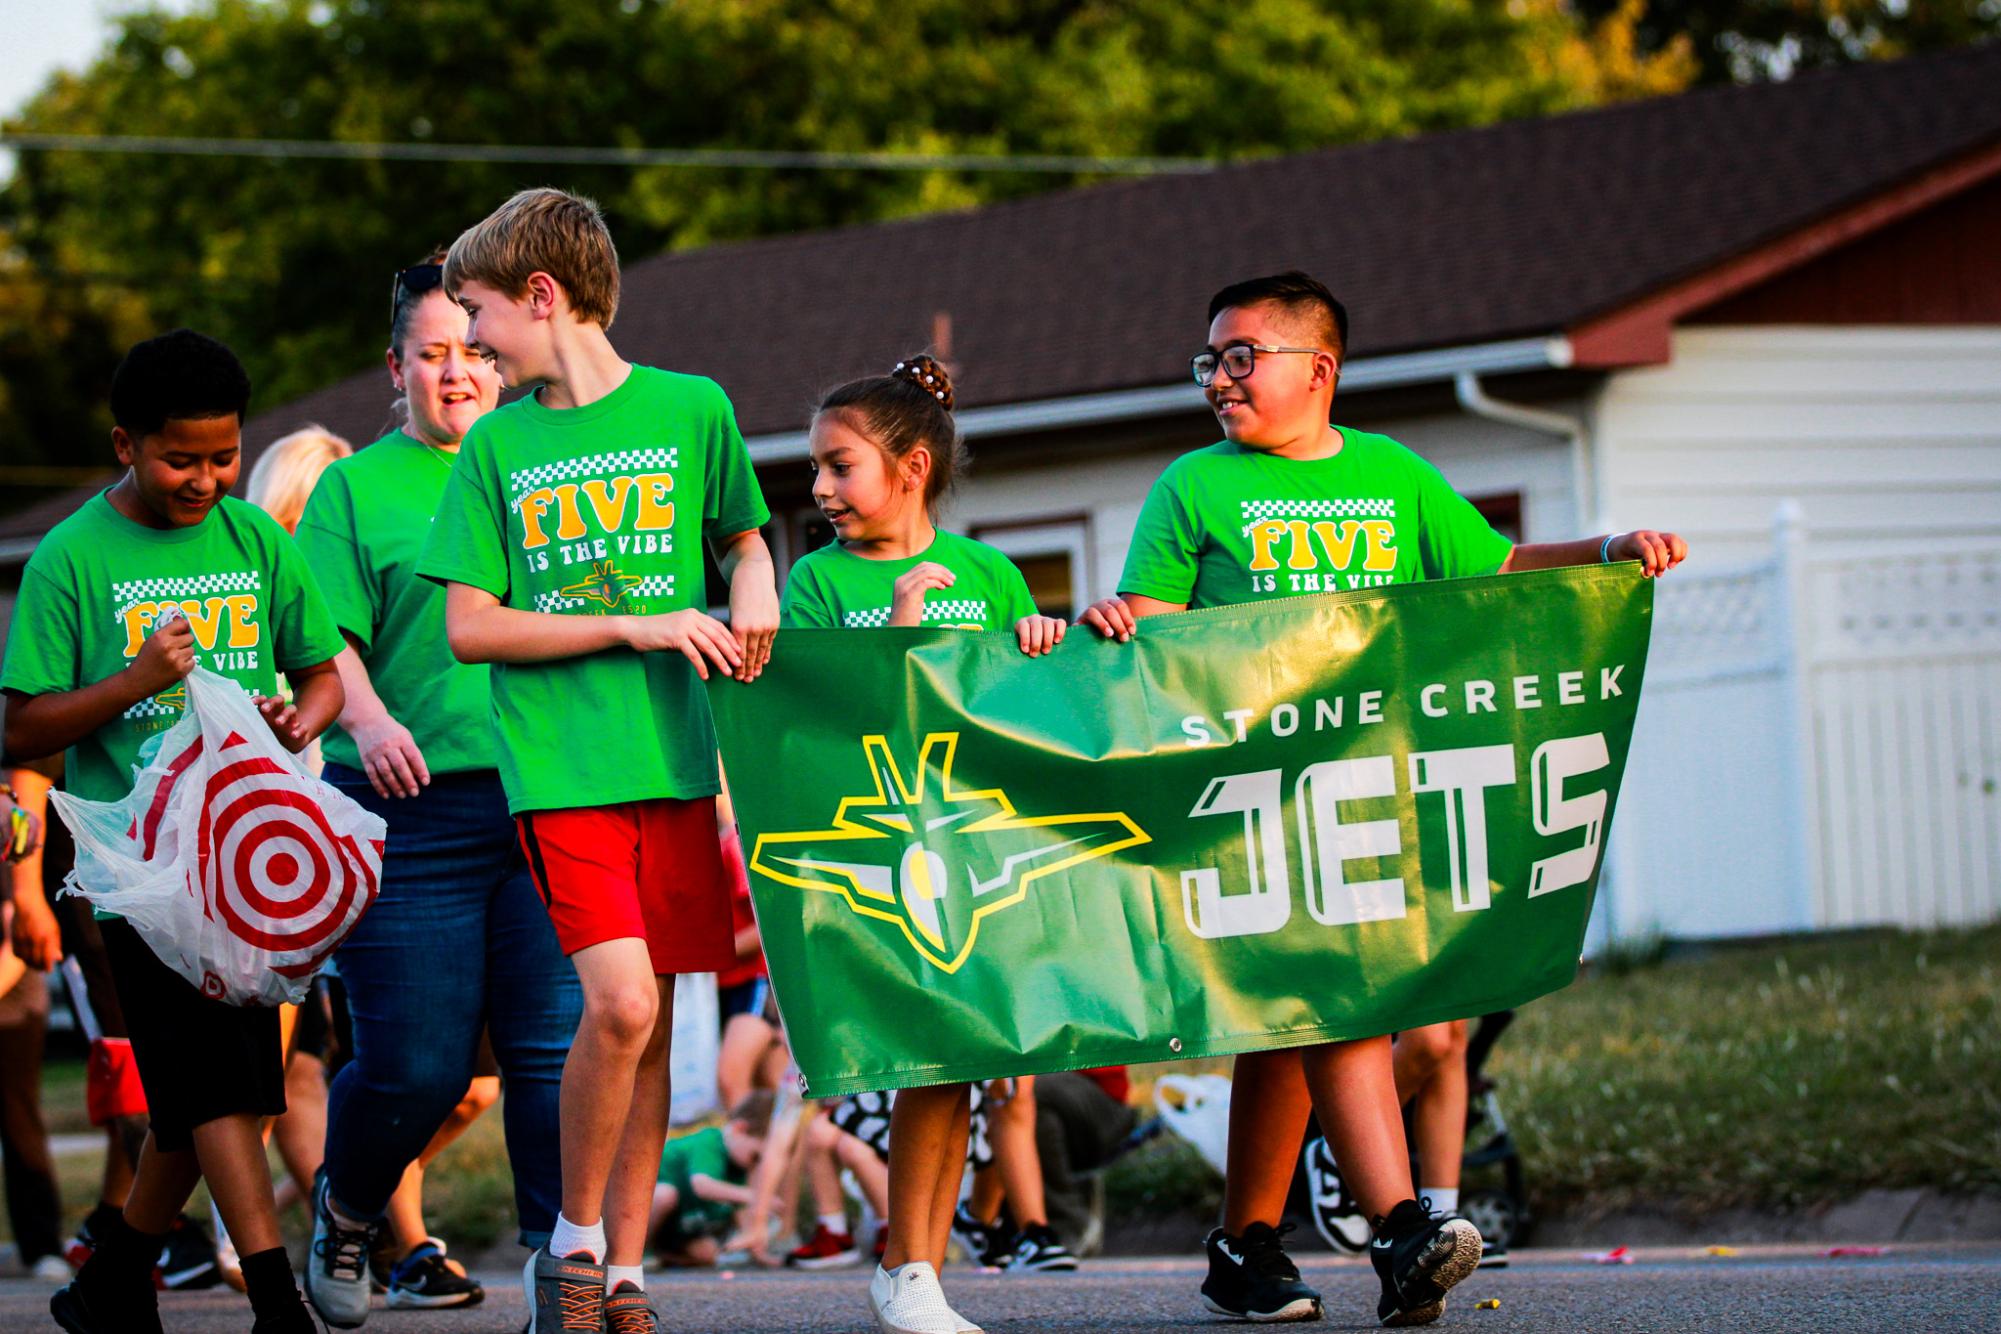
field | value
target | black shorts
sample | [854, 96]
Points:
[199, 1058]
[312, 1034]
[743, 998]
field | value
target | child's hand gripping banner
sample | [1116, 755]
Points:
[1251, 827]
[240, 870]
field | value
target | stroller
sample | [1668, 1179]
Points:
[1497, 1205]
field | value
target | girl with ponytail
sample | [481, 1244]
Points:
[885, 452]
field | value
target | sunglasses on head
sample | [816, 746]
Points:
[416, 280]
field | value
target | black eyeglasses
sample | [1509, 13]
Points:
[416, 280]
[1239, 359]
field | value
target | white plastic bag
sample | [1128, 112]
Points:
[239, 869]
[1197, 1108]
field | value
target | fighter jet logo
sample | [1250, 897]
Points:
[604, 584]
[932, 857]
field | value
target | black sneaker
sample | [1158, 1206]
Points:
[975, 1238]
[1493, 1255]
[1251, 1277]
[565, 1296]
[426, 1280]
[1037, 1251]
[382, 1258]
[81, 1308]
[294, 1319]
[1419, 1258]
[1336, 1216]
[187, 1260]
[628, 1312]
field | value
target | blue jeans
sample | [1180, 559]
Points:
[457, 941]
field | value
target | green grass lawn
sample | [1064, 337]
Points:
[1770, 1076]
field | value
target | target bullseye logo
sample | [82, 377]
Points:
[272, 869]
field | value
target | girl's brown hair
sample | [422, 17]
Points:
[910, 406]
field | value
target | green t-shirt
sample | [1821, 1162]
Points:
[95, 586]
[1228, 524]
[834, 589]
[686, 1157]
[362, 531]
[598, 511]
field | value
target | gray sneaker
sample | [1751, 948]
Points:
[564, 1295]
[337, 1281]
[628, 1312]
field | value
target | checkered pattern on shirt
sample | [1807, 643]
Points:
[652, 586]
[1256, 510]
[154, 707]
[951, 611]
[621, 461]
[125, 593]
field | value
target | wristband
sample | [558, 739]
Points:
[1605, 549]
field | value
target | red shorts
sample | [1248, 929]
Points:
[645, 870]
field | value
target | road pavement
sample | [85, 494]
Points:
[1664, 1291]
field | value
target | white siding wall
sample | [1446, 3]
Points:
[1836, 766]
[1477, 457]
[1880, 434]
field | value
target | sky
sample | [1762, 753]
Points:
[42, 36]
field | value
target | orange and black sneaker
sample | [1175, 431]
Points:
[628, 1312]
[566, 1295]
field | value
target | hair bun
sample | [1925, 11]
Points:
[928, 375]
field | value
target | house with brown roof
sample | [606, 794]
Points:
[1768, 317]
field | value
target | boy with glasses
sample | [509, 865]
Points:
[1289, 504]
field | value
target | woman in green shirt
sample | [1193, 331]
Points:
[884, 452]
[458, 941]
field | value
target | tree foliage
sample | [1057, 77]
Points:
[1742, 41]
[289, 260]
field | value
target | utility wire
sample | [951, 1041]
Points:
[755, 159]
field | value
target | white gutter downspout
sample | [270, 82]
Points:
[1475, 400]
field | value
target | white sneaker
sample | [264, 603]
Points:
[51, 1269]
[909, 1300]
[337, 1265]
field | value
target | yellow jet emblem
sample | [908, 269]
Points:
[928, 880]
[603, 585]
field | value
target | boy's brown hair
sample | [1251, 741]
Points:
[546, 231]
[754, 1111]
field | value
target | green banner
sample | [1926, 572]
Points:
[1255, 826]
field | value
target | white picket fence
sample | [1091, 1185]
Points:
[1819, 745]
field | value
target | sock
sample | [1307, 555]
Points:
[267, 1276]
[835, 1223]
[102, 1218]
[123, 1254]
[1439, 1199]
[617, 1274]
[344, 1218]
[568, 1239]
[1403, 1220]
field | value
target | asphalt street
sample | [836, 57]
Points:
[1664, 1291]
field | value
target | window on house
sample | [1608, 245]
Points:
[1503, 510]
[1052, 554]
